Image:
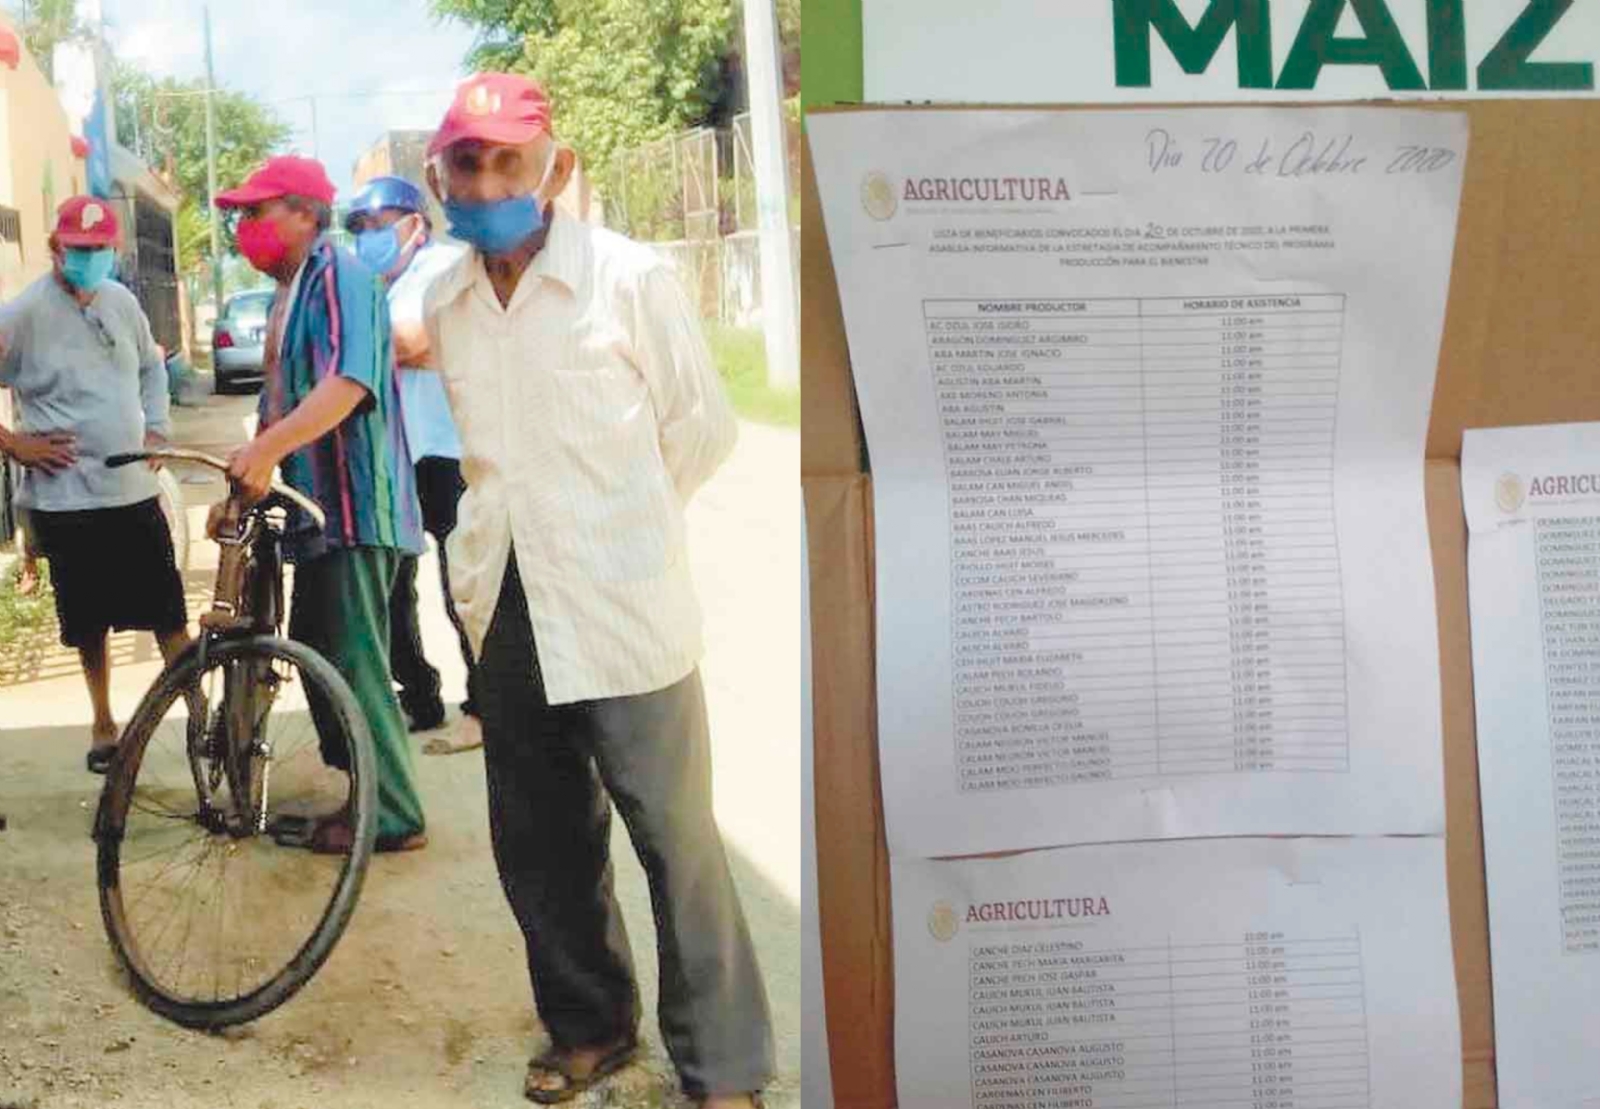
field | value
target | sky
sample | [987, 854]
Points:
[284, 51]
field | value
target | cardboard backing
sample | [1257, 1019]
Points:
[1521, 346]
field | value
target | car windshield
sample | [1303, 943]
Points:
[251, 310]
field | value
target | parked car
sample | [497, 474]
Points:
[237, 348]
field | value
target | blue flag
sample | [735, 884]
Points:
[94, 130]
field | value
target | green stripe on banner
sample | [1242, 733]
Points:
[830, 53]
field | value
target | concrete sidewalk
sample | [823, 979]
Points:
[426, 1000]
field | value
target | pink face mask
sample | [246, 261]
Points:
[260, 243]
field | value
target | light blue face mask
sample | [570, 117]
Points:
[500, 226]
[88, 269]
[379, 249]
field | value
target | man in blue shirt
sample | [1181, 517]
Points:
[89, 381]
[393, 232]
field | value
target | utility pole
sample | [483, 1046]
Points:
[316, 147]
[211, 168]
[780, 314]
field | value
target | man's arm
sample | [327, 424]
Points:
[153, 394]
[325, 408]
[408, 311]
[412, 350]
[13, 321]
[152, 378]
[52, 452]
[697, 425]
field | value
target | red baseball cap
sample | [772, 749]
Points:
[86, 221]
[285, 175]
[499, 108]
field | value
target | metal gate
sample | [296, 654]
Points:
[155, 278]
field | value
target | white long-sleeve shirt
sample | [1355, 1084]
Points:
[590, 411]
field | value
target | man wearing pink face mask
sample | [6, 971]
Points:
[330, 417]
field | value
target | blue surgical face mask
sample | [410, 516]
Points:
[500, 226]
[88, 269]
[379, 249]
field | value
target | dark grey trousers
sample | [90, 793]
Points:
[553, 772]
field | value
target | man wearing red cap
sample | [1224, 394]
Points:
[589, 411]
[76, 349]
[330, 417]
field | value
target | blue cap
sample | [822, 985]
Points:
[386, 192]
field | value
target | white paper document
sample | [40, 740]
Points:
[1532, 498]
[1234, 974]
[1145, 396]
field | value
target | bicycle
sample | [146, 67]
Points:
[170, 498]
[202, 805]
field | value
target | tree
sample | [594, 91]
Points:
[619, 72]
[164, 121]
[46, 24]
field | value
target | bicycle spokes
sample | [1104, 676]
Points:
[212, 904]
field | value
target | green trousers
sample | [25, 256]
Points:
[341, 611]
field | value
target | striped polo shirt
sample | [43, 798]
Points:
[360, 472]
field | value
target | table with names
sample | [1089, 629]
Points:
[1567, 550]
[1145, 570]
[1262, 1020]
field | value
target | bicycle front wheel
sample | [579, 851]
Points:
[215, 921]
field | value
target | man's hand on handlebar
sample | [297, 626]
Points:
[251, 467]
[154, 442]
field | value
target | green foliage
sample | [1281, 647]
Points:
[27, 625]
[171, 132]
[46, 24]
[789, 22]
[741, 357]
[501, 26]
[619, 72]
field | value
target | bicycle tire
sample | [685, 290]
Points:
[118, 793]
[172, 508]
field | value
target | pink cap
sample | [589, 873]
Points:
[86, 221]
[284, 175]
[499, 108]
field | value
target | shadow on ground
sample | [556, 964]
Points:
[38, 656]
[425, 1002]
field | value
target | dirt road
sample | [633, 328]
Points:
[426, 1001]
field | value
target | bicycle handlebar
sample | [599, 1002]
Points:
[309, 507]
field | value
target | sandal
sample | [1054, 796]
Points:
[334, 836]
[102, 750]
[754, 1096]
[468, 736]
[551, 1063]
[99, 759]
[289, 830]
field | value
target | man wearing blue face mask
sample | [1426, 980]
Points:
[590, 411]
[76, 350]
[389, 218]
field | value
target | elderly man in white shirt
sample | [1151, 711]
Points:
[589, 411]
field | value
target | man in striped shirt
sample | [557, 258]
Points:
[330, 417]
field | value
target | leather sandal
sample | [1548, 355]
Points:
[553, 1062]
[334, 836]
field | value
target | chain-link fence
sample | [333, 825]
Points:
[693, 198]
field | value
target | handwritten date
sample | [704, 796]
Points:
[1306, 155]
